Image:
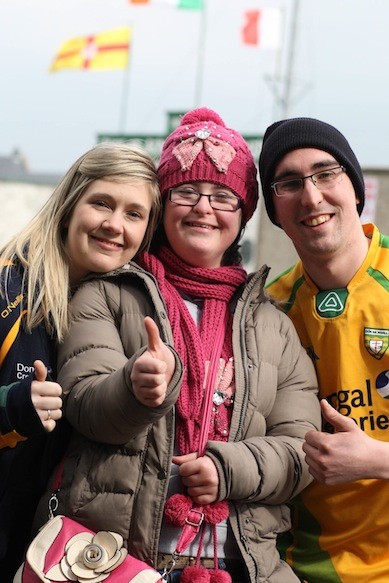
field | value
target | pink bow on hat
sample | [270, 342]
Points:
[219, 152]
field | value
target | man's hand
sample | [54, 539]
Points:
[200, 476]
[153, 370]
[46, 397]
[346, 455]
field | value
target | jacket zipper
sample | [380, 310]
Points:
[244, 541]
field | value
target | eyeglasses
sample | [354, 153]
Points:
[220, 201]
[322, 180]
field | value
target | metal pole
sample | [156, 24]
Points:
[201, 56]
[290, 61]
[125, 88]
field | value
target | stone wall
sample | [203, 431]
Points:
[20, 201]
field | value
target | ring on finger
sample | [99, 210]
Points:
[48, 414]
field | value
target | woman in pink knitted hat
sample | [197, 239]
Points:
[195, 478]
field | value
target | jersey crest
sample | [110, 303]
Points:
[376, 341]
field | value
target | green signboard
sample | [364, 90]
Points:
[153, 143]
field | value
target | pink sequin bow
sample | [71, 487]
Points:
[219, 152]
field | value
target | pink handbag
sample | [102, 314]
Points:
[64, 550]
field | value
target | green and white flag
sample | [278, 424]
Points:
[184, 4]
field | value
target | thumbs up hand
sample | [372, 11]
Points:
[346, 455]
[46, 397]
[153, 370]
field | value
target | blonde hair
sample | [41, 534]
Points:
[40, 247]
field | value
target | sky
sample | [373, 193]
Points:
[337, 64]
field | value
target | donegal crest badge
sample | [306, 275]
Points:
[376, 341]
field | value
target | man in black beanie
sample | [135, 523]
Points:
[337, 296]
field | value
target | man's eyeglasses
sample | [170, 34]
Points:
[322, 180]
[220, 201]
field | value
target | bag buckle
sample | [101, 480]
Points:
[170, 566]
[53, 504]
[200, 518]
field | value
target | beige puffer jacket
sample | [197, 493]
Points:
[118, 464]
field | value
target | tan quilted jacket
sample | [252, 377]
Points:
[118, 464]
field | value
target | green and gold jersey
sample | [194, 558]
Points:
[341, 533]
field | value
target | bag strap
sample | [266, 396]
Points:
[210, 384]
[195, 518]
[55, 487]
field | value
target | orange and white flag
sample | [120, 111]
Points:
[97, 52]
[262, 28]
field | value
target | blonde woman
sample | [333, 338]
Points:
[101, 214]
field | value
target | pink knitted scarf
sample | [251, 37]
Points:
[193, 343]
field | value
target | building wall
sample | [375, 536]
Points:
[20, 201]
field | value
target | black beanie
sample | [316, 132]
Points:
[304, 132]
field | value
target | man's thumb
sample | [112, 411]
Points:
[40, 370]
[337, 420]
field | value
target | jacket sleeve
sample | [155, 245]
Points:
[18, 417]
[267, 464]
[9, 437]
[96, 359]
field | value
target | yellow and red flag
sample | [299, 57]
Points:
[97, 52]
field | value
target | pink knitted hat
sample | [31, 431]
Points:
[203, 149]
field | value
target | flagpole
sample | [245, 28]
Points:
[290, 63]
[201, 56]
[278, 69]
[125, 89]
